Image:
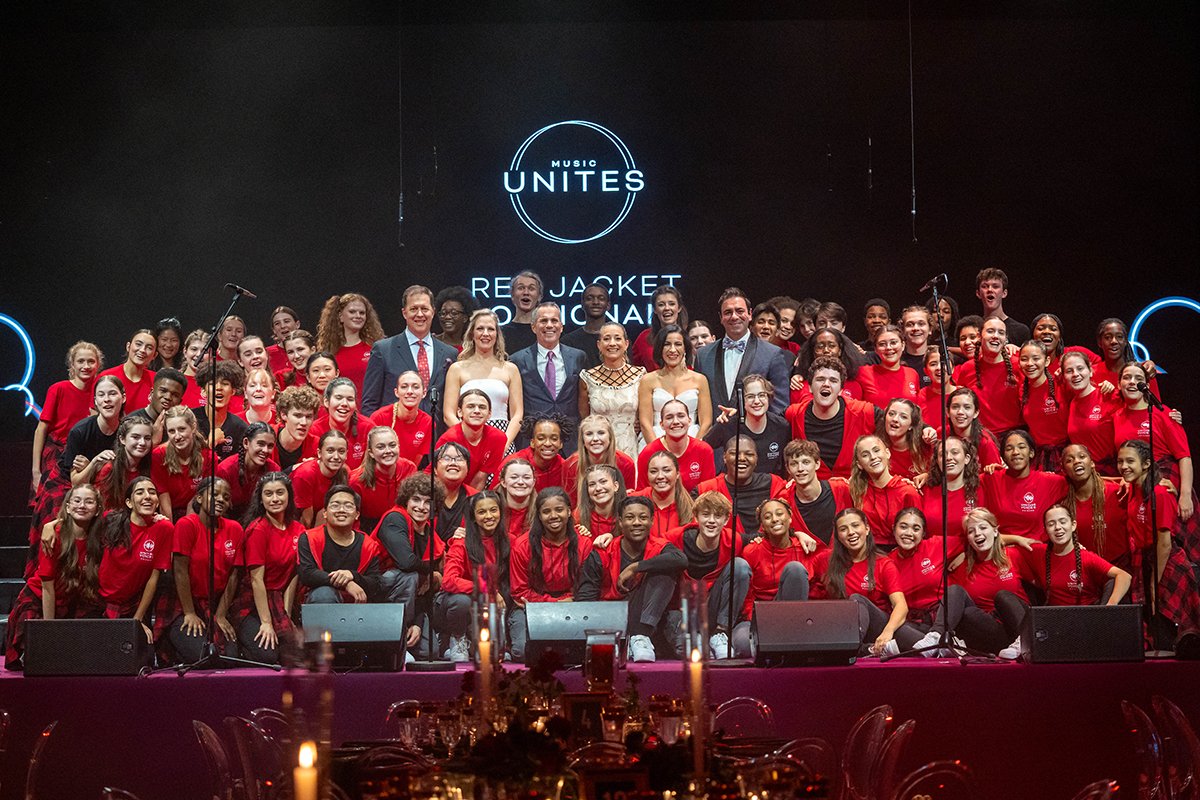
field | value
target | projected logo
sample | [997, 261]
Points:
[22, 385]
[1135, 330]
[572, 182]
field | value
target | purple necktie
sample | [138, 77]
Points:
[551, 375]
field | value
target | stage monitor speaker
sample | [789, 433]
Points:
[85, 647]
[801, 633]
[1060, 634]
[366, 636]
[563, 627]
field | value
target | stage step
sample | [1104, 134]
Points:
[12, 561]
[9, 588]
[14, 530]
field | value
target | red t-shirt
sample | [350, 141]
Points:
[414, 436]
[378, 500]
[65, 405]
[957, 507]
[137, 395]
[882, 504]
[887, 578]
[241, 491]
[1090, 423]
[191, 540]
[1019, 503]
[1116, 531]
[1068, 587]
[556, 580]
[277, 359]
[625, 465]
[986, 580]
[1137, 510]
[554, 474]
[272, 549]
[929, 400]
[309, 485]
[1046, 415]
[695, 465]
[49, 565]
[880, 385]
[180, 485]
[999, 401]
[356, 446]
[352, 363]
[642, 352]
[766, 565]
[485, 456]
[920, 571]
[902, 464]
[1170, 439]
[858, 420]
[124, 571]
[666, 518]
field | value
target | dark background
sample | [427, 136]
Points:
[150, 155]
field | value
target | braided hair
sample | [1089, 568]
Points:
[1074, 548]
[1045, 371]
[254, 430]
[1095, 492]
[537, 580]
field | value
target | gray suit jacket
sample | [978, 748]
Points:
[390, 358]
[761, 358]
[537, 396]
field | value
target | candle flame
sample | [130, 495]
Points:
[484, 635]
[327, 636]
[695, 654]
[308, 754]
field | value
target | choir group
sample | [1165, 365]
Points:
[769, 456]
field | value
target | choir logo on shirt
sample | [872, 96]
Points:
[926, 566]
[1097, 413]
[1004, 575]
[230, 550]
[1073, 580]
[572, 182]
[694, 470]
[1029, 502]
[147, 553]
[773, 451]
[1144, 428]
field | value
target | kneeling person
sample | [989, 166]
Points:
[337, 563]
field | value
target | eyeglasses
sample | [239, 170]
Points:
[757, 396]
[451, 312]
[341, 505]
[448, 458]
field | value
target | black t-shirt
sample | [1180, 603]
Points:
[818, 515]
[234, 428]
[288, 458]
[769, 443]
[1018, 332]
[85, 439]
[336, 556]
[518, 336]
[749, 497]
[826, 433]
[917, 363]
[450, 519]
[585, 340]
[700, 563]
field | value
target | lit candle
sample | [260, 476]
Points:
[696, 682]
[485, 674]
[304, 777]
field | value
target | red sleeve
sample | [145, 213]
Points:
[164, 534]
[185, 534]
[518, 569]
[1094, 567]
[158, 469]
[1174, 437]
[1166, 509]
[254, 554]
[47, 565]
[887, 576]
[456, 572]
[50, 406]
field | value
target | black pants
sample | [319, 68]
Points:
[648, 604]
[872, 620]
[992, 632]
[720, 596]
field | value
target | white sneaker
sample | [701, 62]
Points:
[718, 645]
[1013, 651]
[459, 649]
[640, 649]
[409, 658]
[890, 648]
[930, 640]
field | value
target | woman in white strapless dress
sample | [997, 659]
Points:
[483, 364]
[611, 389]
[673, 381]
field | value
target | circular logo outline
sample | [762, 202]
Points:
[519, 207]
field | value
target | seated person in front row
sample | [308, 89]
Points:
[642, 572]
[337, 562]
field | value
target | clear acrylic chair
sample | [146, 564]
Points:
[1181, 750]
[36, 759]
[863, 745]
[110, 793]
[275, 723]
[744, 717]
[818, 756]
[1148, 750]
[215, 756]
[886, 773]
[938, 780]
[1100, 790]
[260, 759]
[597, 754]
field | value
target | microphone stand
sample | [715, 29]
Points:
[431, 664]
[946, 640]
[1151, 602]
[739, 402]
[212, 657]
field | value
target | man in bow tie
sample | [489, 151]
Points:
[728, 360]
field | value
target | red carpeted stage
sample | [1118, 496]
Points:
[1029, 731]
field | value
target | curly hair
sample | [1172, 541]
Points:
[330, 335]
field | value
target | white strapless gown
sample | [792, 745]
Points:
[690, 398]
[497, 392]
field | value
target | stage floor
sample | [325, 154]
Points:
[1028, 731]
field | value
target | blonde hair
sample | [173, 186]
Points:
[859, 480]
[468, 350]
[195, 463]
[997, 555]
[82, 345]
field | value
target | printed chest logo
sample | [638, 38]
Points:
[1029, 502]
[694, 469]
[147, 553]
[230, 550]
[573, 182]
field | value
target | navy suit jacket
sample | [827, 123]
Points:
[760, 358]
[537, 396]
[392, 357]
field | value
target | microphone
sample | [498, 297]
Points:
[1149, 395]
[239, 290]
[739, 401]
[934, 281]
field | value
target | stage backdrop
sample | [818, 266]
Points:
[299, 153]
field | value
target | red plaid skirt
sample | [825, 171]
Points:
[1178, 590]
[243, 606]
[1187, 532]
[50, 453]
[46, 504]
[26, 606]
[1048, 458]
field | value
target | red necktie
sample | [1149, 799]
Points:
[423, 363]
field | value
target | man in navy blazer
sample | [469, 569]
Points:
[397, 354]
[726, 361]
[534, 364]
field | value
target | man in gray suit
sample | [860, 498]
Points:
[550, 372]
[411, 349]
[727, 361]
